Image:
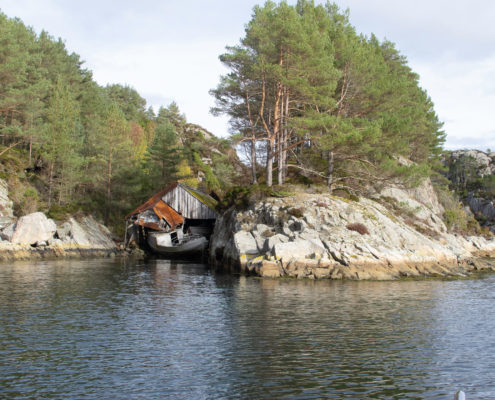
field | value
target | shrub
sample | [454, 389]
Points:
[31, 192]
[358, 227]
[296, 212]
[458, 221]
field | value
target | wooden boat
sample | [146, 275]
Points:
[176, 243]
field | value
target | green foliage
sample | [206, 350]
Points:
[164, 155]
[129, 101]
[466, 181]
[85, 146]
[211, 180]
[455, 217]
[303, 79]
[463, 174]
[243, 196]
[487, 186]
[62, 212]
[31, 193]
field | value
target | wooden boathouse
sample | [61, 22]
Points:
[175, 207]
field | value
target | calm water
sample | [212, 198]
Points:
[104, 329]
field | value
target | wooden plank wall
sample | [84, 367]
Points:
[188, 205]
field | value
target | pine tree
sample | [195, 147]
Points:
[114, 152]
[323, 99]
[164, 155]
[60, 141]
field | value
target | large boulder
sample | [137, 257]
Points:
[33, 228]
[86, 232]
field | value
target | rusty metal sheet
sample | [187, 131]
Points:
[151, 225]
[150, 203]
[163, 210]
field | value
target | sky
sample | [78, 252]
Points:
[168, 50]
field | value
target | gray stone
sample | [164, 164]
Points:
[88, 232]
[32, 228]
[392, 248]
[261, 228]
[310, 220]
[6, 233]
[63, 231]
[275, 239]
[77, 234]
[6, 221]
[260, 241]
[308, 234]
[270, 269]
[286, 230]
[480, 205]
[6, 205]
[484, 161]
[245, 243]
[299, 249]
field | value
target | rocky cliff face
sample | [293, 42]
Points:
[322, 236]
[485, 162]
[474, 172]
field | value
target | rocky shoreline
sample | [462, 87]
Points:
[320, 236]
[34, 236]
[12, 252]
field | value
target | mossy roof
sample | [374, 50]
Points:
[202, 197]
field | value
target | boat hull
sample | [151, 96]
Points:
[193, 246]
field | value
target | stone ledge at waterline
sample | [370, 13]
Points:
[322, 236]
[36, 236]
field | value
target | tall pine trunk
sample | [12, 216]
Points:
[280, 166]
[109, 190]
[275, 136]
[269, 163]
[285, 136]
[50, 184]
[254, 180]
[330, 160]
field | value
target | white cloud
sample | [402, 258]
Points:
[464, 96]
[161, 70]
[169, 50]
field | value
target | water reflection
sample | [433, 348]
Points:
[167, 329]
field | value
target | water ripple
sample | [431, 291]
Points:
[106, 329]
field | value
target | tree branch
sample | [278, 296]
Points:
[8, 148]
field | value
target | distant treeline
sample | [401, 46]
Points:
[83, 146]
